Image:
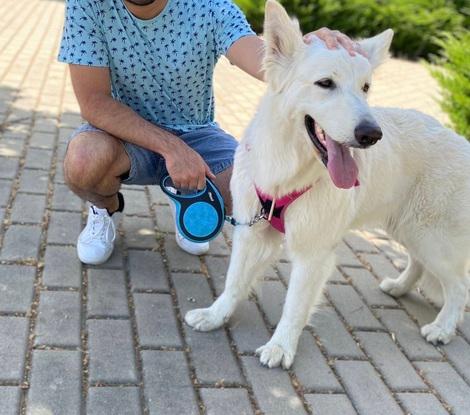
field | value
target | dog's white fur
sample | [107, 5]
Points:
[415, 183]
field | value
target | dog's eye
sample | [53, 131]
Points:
[325, 83]
[366, 88]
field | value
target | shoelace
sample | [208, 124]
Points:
[100, 226]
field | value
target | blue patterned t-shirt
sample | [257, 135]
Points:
[163, 67]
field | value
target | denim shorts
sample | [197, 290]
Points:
[214, 145]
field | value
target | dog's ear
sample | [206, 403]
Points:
[283, 38]
[377, 47]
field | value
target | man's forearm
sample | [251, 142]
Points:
[117, 119]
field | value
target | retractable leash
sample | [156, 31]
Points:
[200, 215]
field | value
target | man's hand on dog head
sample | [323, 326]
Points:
[334, 39]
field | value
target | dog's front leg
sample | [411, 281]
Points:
[254, 249]
[308, 277]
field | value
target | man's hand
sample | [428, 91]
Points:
[185, 166]
[333, 39]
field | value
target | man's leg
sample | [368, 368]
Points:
[93, 166]
[222, 181]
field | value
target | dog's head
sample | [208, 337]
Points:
[324, 91]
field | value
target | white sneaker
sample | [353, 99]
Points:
[96, 242]
[193, 248]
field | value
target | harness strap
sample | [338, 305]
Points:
[278, 207]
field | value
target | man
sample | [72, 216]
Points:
[142, 73]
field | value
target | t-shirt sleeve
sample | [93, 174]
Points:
[230, 25]
[83, 42]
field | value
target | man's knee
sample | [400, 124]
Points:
[89, 158]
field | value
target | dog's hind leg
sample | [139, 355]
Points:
[397, 287]
[253, 251]
[309, 274]
[455, 285]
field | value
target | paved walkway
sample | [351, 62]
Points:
[110, 340]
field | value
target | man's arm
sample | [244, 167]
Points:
[92, 88]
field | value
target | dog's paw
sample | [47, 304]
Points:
[203, 319]
[273, 355]
[435, 334]
[392, 287]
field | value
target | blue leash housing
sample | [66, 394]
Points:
[200, 216]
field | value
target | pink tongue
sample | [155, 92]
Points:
[341, 166]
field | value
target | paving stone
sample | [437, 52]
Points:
[418, 307]
[206, 348]
[366, 390]
[311, 367]
[10, 400]
[116, 260]
[136, 203]
[28, 208]
[394, 251]
[359, 243]
[458, 353]
[147, 271]
[247, 327]
[157, 196]
[58, 322]
[168, 388]
[165, 221]
[5, 190]
[218, 246]
[107, 293]
[8, 167]
[381, 266]
[11, 147]
[64, 228]
[112, 359]
[226, 401]
[333, 335]
[61, 267]
[337, 277]
[351, 307]
[390, 361]
[346, 257]
[14, 335]
[156, 321]
[65, 199]
[330, 404]
[408, 335]
[65, 134]
[34, 181]
[140, 232]
[55, 382]
[368, 287]
[42, 140]
[271, 296]
[178, 259]
[464, 326]
[272, 388]
[21, 243]
[2, 215]
[16, 288]
[450, 386]
[217, 267]
[421, 404]
[117, 400]
[38, 159]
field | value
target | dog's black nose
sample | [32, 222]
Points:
[367, 133]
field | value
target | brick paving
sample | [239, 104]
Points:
[110, 339]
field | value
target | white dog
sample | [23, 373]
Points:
[315, 139]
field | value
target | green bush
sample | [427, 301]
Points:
[415, 22]
[454, 78]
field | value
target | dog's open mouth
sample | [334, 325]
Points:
[335, 156]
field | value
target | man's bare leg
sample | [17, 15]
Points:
[93, 166]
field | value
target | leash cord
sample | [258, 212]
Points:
[260, 216]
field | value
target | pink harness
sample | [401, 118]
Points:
[277, 209]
